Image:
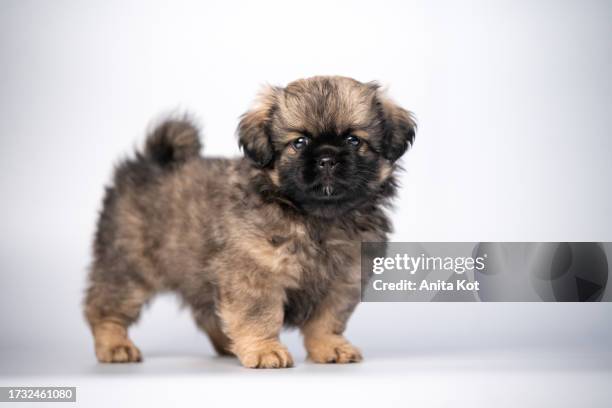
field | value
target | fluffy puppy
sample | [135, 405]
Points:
[254, 243]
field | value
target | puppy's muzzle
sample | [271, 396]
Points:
[327, 164]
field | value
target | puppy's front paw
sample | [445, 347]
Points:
[266, 355]
[332, 349]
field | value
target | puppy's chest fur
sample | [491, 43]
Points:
[306, 260]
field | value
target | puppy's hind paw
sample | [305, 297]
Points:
[273, 355]
[334, 350]
[124, 352]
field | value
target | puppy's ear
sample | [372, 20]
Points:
[254, 127]
[399, 128]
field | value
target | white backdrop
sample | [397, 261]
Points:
[513, 99]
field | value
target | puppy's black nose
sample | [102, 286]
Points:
[327, 162]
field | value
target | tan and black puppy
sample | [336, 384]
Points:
[254, 243]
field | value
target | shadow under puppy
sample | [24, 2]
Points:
[254, 243]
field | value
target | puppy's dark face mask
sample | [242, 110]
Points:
[328, 172]
[328, 144]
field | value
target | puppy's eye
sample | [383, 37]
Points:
[353, 140]
[300, 143]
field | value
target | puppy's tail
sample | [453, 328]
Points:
[173, 142]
